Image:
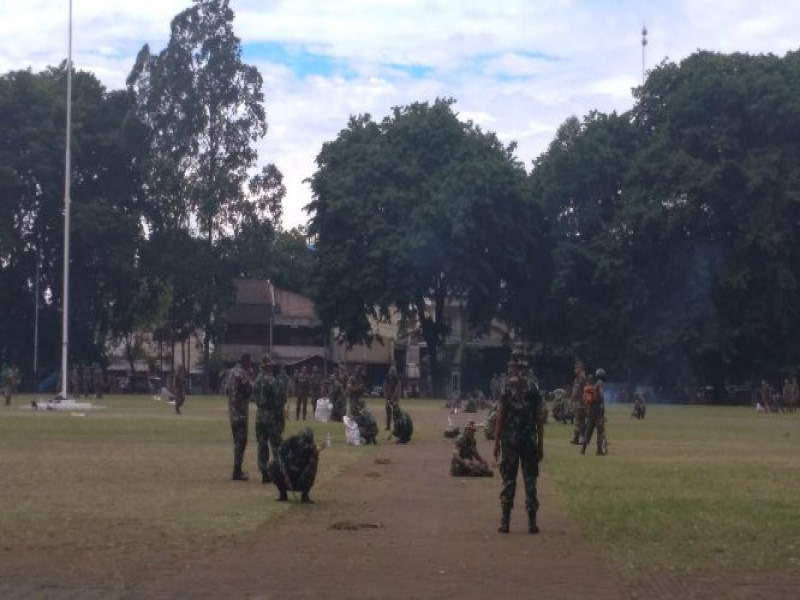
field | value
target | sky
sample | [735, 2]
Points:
[519, 68]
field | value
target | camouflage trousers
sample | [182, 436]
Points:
[390, 406]
[268, 436]
[473, 468]
[298, 478]
[512, 459]
[597, 420]
[356, 405]
[580, 422]
[302, 401]
[239, 431]
[180, 399]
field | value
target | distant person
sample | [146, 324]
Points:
[303, 392]
[269, 416]
[285, 383]
[578, 408]
[86, 380]
[367, 426]
[97, 380]
[337, 397]
[466, 460]
[596, 413]
[240, 388]
[294, 468]
[391, 391]
[75, 381]
[519, 440]
[179, 388]
[315, 386]
[10, 381]
[639, 406]
[403, 426]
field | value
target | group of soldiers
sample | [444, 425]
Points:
[293, 464]
[294, 461]
[588, 402]
[785, 400]
[86, 380]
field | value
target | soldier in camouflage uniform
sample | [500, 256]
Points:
[284, 383]
[179, 387]
[467, 461]
[75, 381]
[391, 391]
[240, 388]
[577, 404]
[355, 391]
[337, 398]
[303, 390]
[9, 377]
[519, 438]
[367, 426]
[596, 416]
[295, 466]
[403, 426]
[269, 416]
[86, 380]
[98, 380]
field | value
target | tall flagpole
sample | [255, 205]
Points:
[67, 182]
[644, 45]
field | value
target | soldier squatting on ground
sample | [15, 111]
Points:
[466, 460]
[294, 467]
[519, 439]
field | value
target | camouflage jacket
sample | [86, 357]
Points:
[522, 405]
[467, 448]
[391, 388]
[267, 397]
[240, 388]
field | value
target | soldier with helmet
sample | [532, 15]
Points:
[596, 415]
[519, 439]
[577, 403]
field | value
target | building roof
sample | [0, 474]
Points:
[253, 291]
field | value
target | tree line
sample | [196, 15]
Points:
[661, 242]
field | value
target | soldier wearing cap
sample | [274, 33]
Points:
[467, 461]
[519, 438]
[269, 416]
[240, 388]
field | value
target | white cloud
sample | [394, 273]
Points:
[516, 67]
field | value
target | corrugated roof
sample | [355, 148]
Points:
[253, 291]
[294, 306]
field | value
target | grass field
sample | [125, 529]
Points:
[689, 490]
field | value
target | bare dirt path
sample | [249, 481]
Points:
[396, 526]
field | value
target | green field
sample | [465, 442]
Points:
[689, 490]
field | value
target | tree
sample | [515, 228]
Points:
[415, 212]
[204, 109]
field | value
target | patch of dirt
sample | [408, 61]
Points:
[351, 526]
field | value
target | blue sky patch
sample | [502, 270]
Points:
[301, 61]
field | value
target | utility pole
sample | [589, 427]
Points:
[67, 185]
[644, 45]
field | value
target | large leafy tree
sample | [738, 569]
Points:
[204, 109]
[414, 212]
[715, 211]
[106, 232]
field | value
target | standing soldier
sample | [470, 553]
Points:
[303, 390]
[519, 438]
[578, 408]
[283, 382]
[355, 389]
[75, 381]
[269, 416]
[86, 380]
[97, 380]
[240, 388]
[9, 382]
[391, 391]
[179, 387]
[315, 386]
[596, 413]
[337, 397]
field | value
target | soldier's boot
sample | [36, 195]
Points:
[265, 478]
[575, 441]
[583, 448]
[238, 474]
[600, 451]
[282, 497]
[505, 521]
[305, 499]
[532, 528]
